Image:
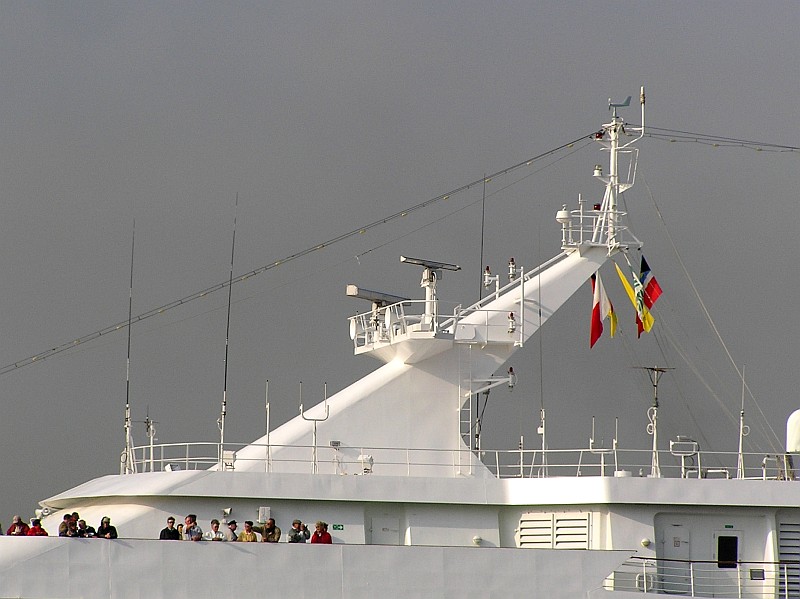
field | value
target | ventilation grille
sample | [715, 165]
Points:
[547, 530]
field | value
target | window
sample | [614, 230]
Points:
[727, 551]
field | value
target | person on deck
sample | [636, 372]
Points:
[106, 530]
[299, 533]
[248, 535]
[36, 529]
[230, 532]
[270, 533]
[170, 533]
[72, 529]
[191, 530]
[18, 528]
[321, 534]
[62, 528]
[86, 532]
[215, 534]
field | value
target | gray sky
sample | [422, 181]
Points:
[327, 116]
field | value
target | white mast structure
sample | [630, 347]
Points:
[434, 361]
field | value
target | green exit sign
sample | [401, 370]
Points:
[338, 526]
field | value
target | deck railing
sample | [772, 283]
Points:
[514, 463]
[748, 580]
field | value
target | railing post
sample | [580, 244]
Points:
[739, 578]
[785, 570]
[691, 577]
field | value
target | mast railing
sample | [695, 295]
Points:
[372, 329]
[581, 227]
[382, 326]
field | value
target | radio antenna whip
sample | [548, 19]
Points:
[224, 409]
[129, 465]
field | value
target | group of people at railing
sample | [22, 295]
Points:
[190, 531]
[71, 526]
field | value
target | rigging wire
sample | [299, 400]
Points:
[471, 204]
[705, 311]
[314, 248]
[675, 344]
[636, 359]
[676, 135]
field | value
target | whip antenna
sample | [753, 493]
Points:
[224, 409]
[129, 465]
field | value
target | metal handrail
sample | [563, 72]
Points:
[706, 578]
[510, 463]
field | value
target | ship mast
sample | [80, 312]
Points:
[607, 225]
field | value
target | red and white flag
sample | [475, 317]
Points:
[601, 309]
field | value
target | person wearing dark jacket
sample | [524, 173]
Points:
[170, 533]
[105, 530]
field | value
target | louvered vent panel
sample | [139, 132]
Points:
[546, 530]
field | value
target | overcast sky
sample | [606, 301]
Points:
[324, 116]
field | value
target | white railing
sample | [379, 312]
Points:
[512, 463]
[396, 320]
[591, 227]
[747, 580]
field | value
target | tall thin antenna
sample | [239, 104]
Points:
[224, 409]
[744, 430]
[542, 428]
[483, 228]
[130, 467]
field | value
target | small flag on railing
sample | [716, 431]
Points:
[601, 309]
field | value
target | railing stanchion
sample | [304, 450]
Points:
[691, 578]
[739, 579]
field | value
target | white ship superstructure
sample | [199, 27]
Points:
[416, 507]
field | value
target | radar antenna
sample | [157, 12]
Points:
[432, 271]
